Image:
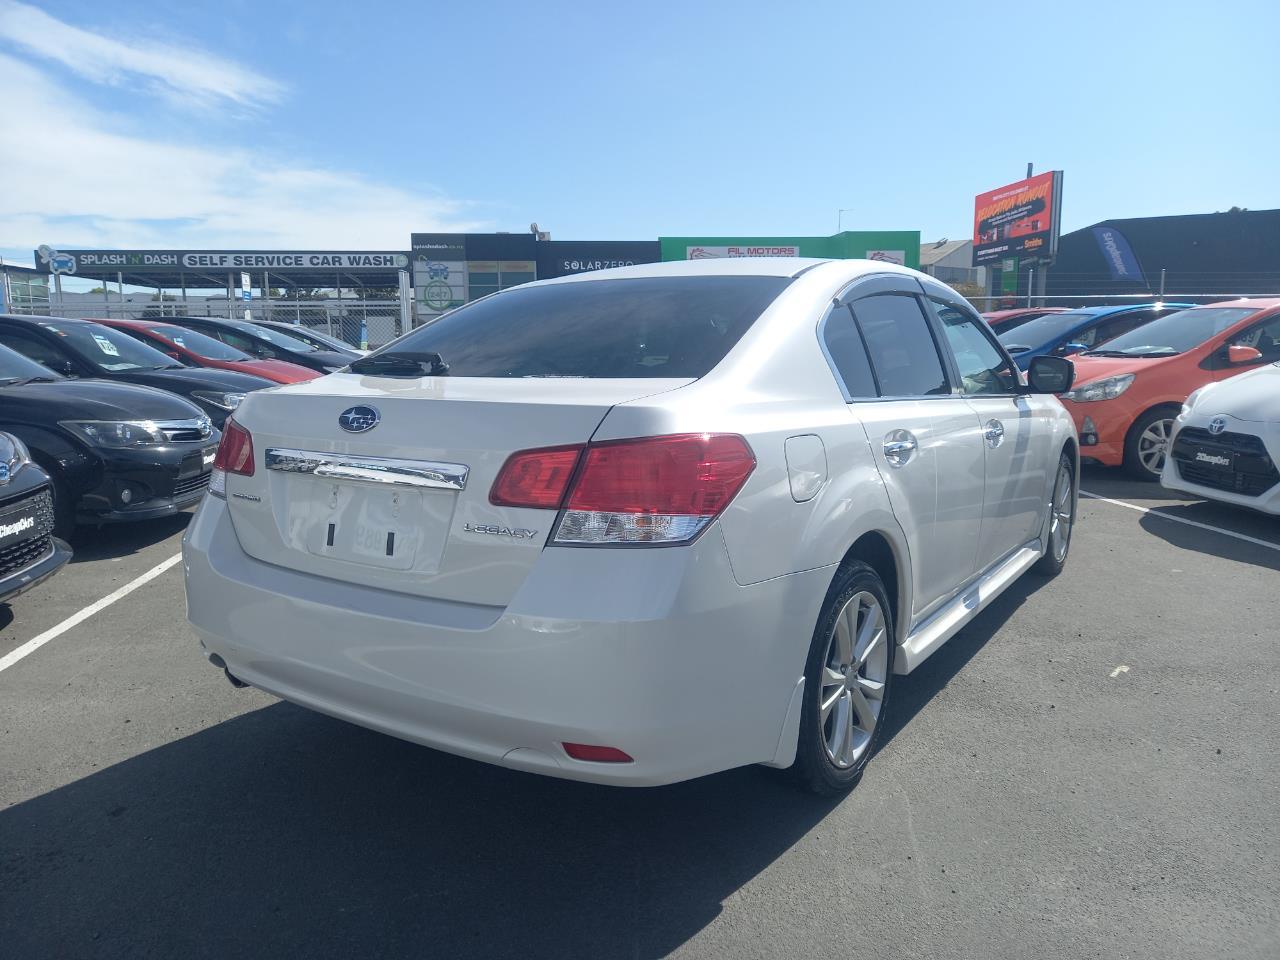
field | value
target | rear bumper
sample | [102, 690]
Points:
[659, 653]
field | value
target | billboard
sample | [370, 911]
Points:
[1019, 220]
[892, 246]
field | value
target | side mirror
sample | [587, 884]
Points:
[1238, 353]
[1050, 375]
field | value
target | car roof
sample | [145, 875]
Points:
[1256, 303]
[731, 267]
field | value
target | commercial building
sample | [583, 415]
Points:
[1204, 254]
[894, 246]
[22, 289]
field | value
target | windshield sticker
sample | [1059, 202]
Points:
[105, 345]
[179, 341]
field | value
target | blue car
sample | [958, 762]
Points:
[1062, 334]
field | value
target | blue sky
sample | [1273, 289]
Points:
[245, 124]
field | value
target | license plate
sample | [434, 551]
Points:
[1211, 459]
[18, 524]
[365, 524]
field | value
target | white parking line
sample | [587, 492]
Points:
[1190, 523]
[34, 644]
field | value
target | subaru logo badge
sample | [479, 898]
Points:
[1217, 425]
[359, 419]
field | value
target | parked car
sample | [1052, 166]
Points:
[194, 349]
[265, 343]
[82, 348]
[317, 338]
[638, 487]
[1002, 320]
[29, 552]
[1226, 442]
[1070, 332]
[1129, 391]
[113, 451]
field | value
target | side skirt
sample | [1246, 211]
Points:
[947, 621]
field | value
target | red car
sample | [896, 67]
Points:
[1003, 320]
[198, 350]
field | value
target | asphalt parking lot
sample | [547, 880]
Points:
[1089, 770]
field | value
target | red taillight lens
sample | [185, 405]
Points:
[535, 478]
[596, 754]
[235, 451]
[693, 474]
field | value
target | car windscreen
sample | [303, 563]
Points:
[1043, 329]
[650, 327]
[198, 343]
[15, 368]
[274, 337]
[109, 349]
[1175, 333]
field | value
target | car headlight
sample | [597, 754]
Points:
[1190, 402]
[1106, 389]
[223, 401]
[21, 454]
[116, 433]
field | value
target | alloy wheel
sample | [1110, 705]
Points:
[854, 674]
[1060, 520]
[1153, 445]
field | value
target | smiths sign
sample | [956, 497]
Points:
[1019, 220]
[92, 262]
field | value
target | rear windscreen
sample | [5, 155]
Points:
[676, 327]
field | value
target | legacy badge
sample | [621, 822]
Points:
[515, 533]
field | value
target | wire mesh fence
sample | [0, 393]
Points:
[357, 322]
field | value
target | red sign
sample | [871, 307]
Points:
[1018, 220]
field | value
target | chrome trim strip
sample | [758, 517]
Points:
[384, 470]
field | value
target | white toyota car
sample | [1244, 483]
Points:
[1226, 442]
[638, 525]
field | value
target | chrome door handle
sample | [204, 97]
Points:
[899, 447]
[994, 433]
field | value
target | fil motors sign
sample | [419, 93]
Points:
[744, 250]
[94, 262]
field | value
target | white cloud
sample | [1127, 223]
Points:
[75, 176]
[184, 74]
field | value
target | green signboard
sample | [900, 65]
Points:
[894, 246]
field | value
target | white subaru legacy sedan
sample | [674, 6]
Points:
[638, 525]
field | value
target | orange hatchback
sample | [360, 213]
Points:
[1128, 391]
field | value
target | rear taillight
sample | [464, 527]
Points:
[653, 489]
[646, 490]
[535, 478]
[235, 455]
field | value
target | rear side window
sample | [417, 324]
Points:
[848, 354]
[903, 354]
[677, 327]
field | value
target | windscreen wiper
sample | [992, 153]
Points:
[401, 364]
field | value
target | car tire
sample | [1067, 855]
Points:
[1148, 429]
[1062, 519]
[855, 697]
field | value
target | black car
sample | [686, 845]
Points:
[113, 451]
[29, 552]
[82, 348]
[311, 335]
[265, 343]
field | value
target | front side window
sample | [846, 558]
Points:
[676, 327]
[1265, 339]
[983, 369]
[32, 350]
[903, 355]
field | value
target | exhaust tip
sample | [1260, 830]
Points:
[234, 680]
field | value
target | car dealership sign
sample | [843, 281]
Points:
[743, 250]
[92, 262]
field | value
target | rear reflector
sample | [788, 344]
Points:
[235, 455]
[595, 754]
[535, 478]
